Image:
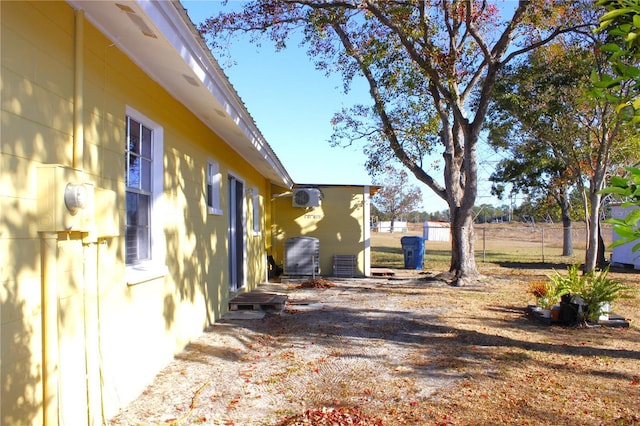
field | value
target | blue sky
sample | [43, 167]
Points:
[292, 104]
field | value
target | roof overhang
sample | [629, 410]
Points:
[373, 189]
[161, 39]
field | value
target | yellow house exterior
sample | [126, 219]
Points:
[340, 223]
[137, 198]
[135, 201]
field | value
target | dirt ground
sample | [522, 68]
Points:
[358, 343]
[406, 350]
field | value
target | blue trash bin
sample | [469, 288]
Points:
[413, 249]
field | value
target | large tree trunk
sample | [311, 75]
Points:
[567, 239]
[461, 181]
[463, 261]
[593, 240]
[601, 260]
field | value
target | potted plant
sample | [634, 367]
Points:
[569, 287]
[598, 292]
[591, 294]
[546, 296]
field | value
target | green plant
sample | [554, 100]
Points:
[600, 289]
[567, 284]
[595, 288]
[570, 283]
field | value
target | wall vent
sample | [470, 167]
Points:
[344, 266]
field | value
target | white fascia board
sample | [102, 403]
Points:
[193, 50]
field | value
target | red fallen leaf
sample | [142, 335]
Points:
[342, 416]
[634, 383]
[413, 403]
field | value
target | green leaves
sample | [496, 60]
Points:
[628, 188]
[608, 17]
[621, 23]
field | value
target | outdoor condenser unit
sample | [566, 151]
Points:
[302, 256]
[306, 197]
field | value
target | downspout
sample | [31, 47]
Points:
[49, 313]
[78, 88]
[90, 271]
[366, 218]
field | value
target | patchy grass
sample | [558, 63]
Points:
[536, 374]
[500, 243]
[516, 370]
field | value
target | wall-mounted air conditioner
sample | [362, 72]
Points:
[306, 197]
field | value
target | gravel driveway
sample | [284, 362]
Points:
[367, 343]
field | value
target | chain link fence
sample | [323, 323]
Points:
[523, 243]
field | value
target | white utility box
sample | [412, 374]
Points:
[107, 223]
[65, 201]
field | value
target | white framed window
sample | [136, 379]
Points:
[144, 169]
[255, 209]
[214, 178]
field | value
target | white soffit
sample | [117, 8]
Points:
[160, 38]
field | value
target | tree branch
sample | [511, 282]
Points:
[388, 128]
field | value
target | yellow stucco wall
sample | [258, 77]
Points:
[338, 223]
[105, 327]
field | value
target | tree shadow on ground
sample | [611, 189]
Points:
[356, 327]
[533, 265]
[560, 266]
